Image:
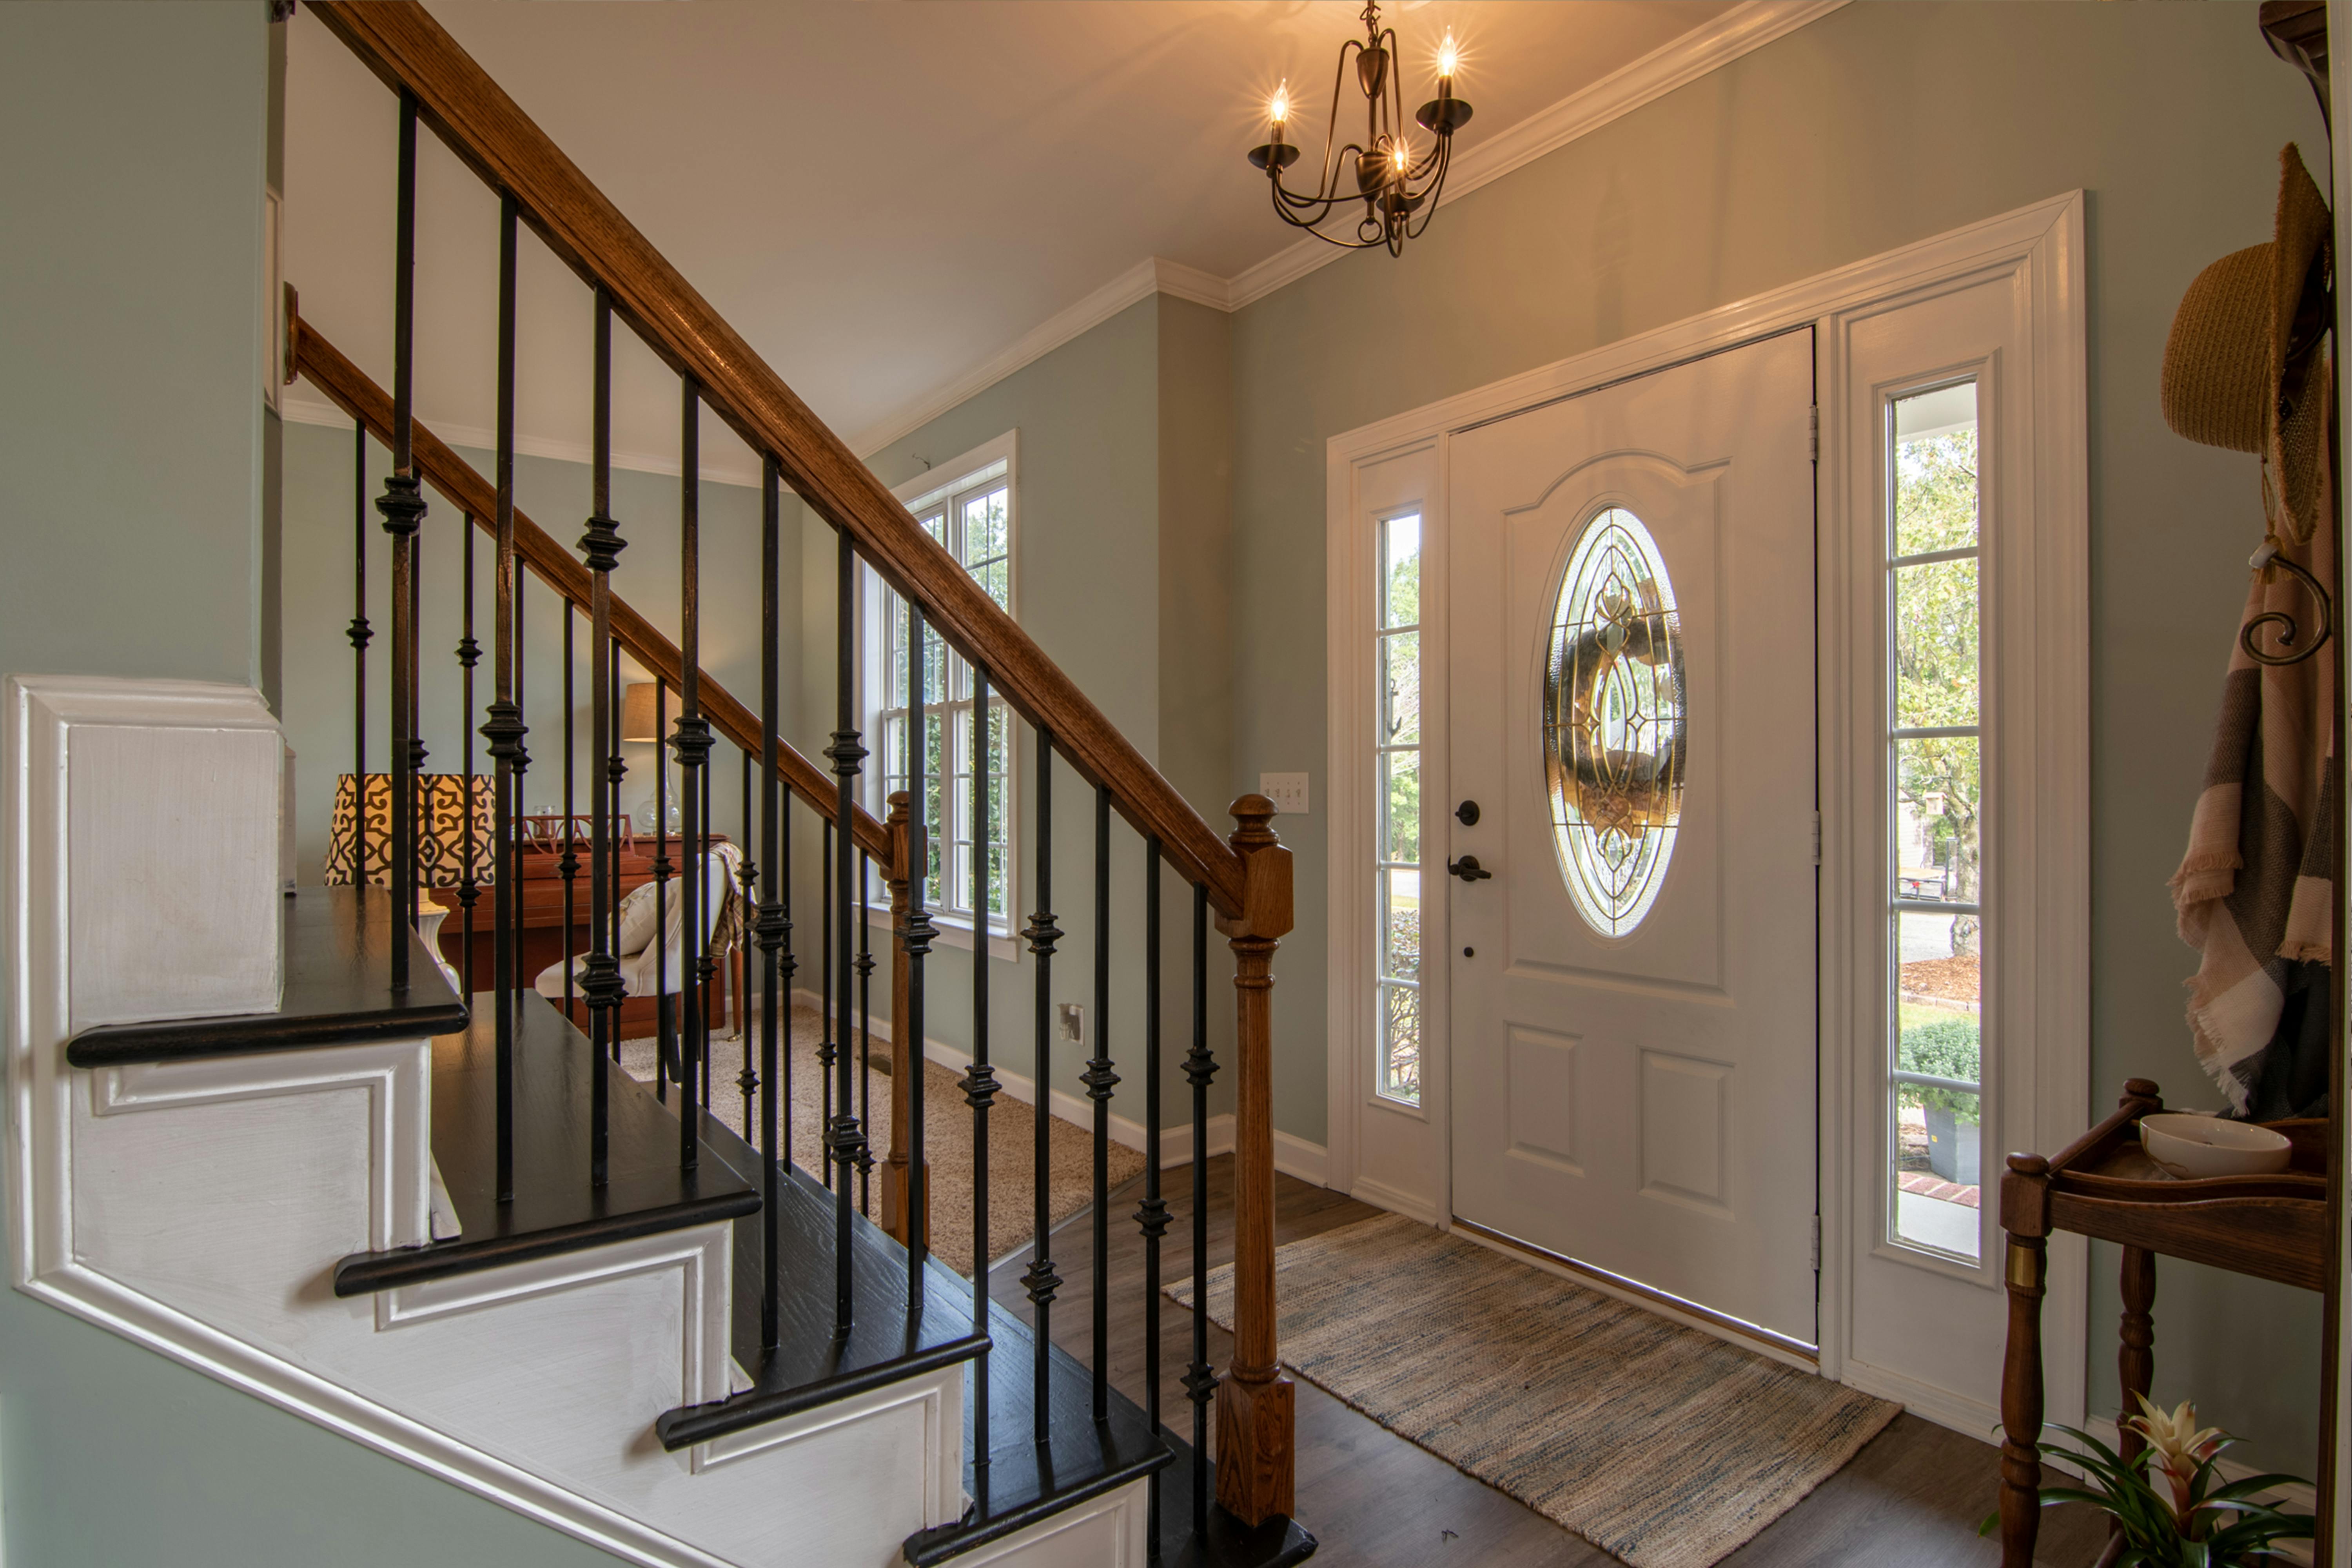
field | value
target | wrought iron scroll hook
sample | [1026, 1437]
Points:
[2288, 631]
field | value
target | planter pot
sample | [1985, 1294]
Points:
[1954, 1146]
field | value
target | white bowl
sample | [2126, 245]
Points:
[2191, 1146]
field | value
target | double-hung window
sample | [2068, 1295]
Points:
[968, 506]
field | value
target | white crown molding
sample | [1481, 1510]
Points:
[480, 439]
[1741, 30]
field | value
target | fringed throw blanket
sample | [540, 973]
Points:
[2254, 893]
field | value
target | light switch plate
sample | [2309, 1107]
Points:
[1073, 1024]
[1288, 791]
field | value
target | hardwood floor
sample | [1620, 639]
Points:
[1912, 1496]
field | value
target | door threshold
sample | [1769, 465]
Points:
[1779, 1346]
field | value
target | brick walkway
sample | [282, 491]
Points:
[1927, 1185]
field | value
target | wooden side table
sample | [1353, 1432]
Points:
[2102, 1186]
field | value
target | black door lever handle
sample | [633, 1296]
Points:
[1468, 870]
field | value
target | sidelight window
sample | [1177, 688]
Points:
[1396, 738]
[1935, 862]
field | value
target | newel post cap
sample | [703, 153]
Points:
[1266, 905]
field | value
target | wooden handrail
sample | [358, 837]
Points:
[411, 52]
[454, 478]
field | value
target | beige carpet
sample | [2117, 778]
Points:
[947, 1139]
[1664, 1446]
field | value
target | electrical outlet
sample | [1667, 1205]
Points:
[1288, 791]
[1074, 1022]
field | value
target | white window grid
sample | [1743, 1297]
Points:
[972, 517]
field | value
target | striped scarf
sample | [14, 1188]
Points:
[2255, 893]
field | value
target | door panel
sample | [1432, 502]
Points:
[1640, 1098]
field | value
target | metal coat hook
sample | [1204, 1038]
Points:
[2288, 630]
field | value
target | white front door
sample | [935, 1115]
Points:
[1633, 683]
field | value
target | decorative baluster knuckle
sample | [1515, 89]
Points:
[979, 1086]
[469, 652]
[1040, 1280]
[359, 633]
[504, 730]
[1100, 1078]
[847, 751]
[602, 544]
[1151, 1217]
[402, 505]
[918, 933]
[1200, 1382]
[1042, 933]
[1200, 1068]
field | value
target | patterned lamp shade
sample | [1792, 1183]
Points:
[442, 819]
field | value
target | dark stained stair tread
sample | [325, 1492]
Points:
[338, 993]
[554, 1210]
[810, 1365]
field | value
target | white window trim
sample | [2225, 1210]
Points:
[2044, 614]
[953, 930]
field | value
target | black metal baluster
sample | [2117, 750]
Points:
[771, 915]
[917, 939]
[665, 1010]
[847, 751]
[705, 967]
[747, 1082]
[824, 1003]
[1040, 1279]
[510, 998]
[503, 729]
[402, 506]
[980, 1083]
[1151, 1215]
[866, 1028]
[469, 654]
[1100, 1080]
[693, 750]
[1200, 1068]
[360, 637]
[616, 772]
[601, 546]
[568, 867]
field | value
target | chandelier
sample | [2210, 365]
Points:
[1392, 181]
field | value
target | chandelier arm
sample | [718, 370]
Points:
[1329, 196]
[1309, 225]
[1331, 124]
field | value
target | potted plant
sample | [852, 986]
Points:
[1945, 1047]
[2176, 1517]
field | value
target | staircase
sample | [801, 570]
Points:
[259, 1132]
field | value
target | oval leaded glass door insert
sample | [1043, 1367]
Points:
[1614, 741]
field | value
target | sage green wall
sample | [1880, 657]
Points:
[553, 493]
[1877, 126]
[130, 484]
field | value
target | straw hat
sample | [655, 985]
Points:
[2242, 367]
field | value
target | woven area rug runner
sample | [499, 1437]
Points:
[1663, 1446]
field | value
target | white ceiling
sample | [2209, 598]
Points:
[880, 196]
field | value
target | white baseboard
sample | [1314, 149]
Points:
[1380, 1195]
[1968, 1417]
[1293, 1156]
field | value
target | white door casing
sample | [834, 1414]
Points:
[2038, 615]
[1642, 1103]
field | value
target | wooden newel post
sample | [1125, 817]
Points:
[1255, 1403]
[905, 1060]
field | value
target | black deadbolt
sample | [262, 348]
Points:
[1467, 814]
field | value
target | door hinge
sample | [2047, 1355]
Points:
[1817, 1244]
[1817, 839]
[1814, 431]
